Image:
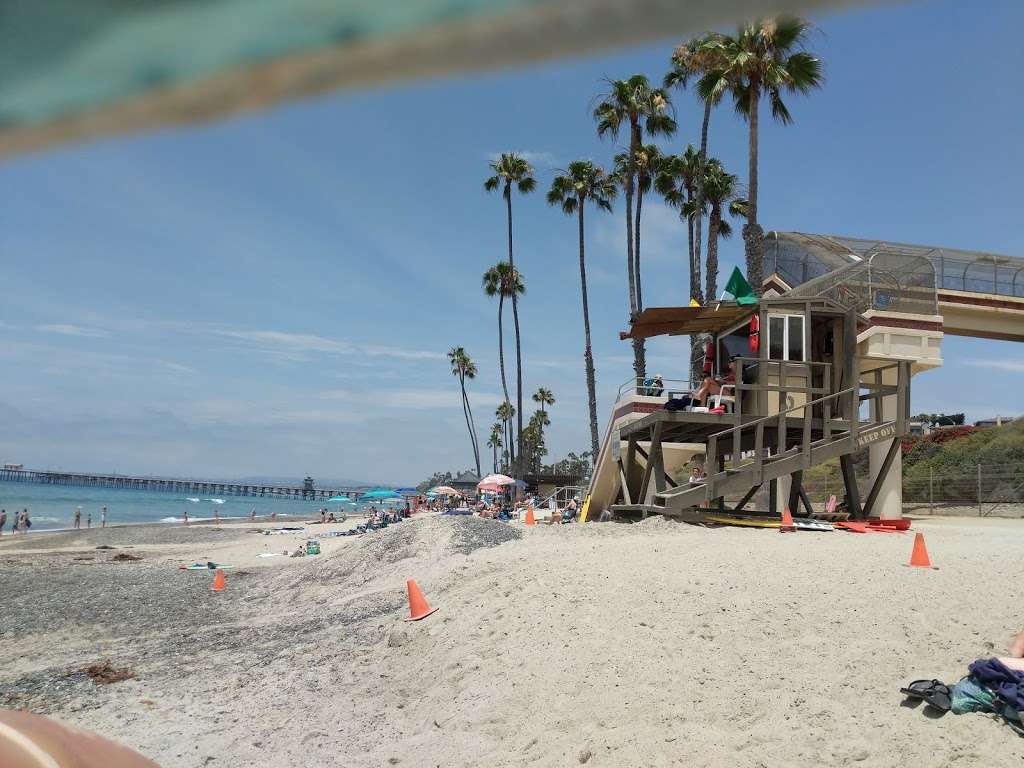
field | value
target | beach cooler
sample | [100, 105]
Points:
[312, 547]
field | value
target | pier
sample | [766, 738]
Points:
[171, 485]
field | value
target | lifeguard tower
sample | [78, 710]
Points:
[822, 370]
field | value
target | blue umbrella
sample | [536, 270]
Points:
[378, 494]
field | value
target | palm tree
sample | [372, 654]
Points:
[464, 368]
[505, 413]
[698, 57]
[765, 58]
[721, 193]
[494, 443]
[543, 397]
[677, 181]
[502, 280]
[511, 169]
[634, 103]
[584, 182]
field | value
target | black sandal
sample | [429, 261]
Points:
[933, 692]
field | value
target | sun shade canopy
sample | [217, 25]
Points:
[678, 321]
[75, 69]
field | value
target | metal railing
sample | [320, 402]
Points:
[849, 427]
[800, 258]
[642, 387]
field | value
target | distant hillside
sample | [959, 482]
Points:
[945, 463]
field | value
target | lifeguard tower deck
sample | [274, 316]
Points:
[796, 402]
[843, 325]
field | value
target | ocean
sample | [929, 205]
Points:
[53, 506]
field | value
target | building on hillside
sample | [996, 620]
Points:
[465, 482]
[995, 421]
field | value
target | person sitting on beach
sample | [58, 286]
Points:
[331, 518]
[713, 385]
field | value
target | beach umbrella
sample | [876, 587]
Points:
[494, 481]
[444, 490]
[98, 67]
[379, 494]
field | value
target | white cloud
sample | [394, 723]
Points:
[176, 367]
[1012, 366]
[67, 329]
[298, 346]
[538, 159]
[404, 399]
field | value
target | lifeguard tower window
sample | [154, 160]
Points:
[786, 337]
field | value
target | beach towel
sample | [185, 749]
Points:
[1006, 683]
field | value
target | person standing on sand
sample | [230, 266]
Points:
[252, 513]
[78, 517]
[88, 520]
[25, 523]
[186, 517]
[103, 517]
[3, 520]
[216, 515]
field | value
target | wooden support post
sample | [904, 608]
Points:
[773, 491]
[796, 479]
[655, 452]
[806, 501]
[625, 485]
[850, 483]
[746, 497]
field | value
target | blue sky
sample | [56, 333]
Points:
[275, 294]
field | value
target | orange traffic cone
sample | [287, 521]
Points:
[218, 581]
[787, 522]
[418, 607]
[919, 555]
[529, 516]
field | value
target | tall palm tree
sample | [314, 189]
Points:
[511, 170]
[543, 397]
[494, 443]
[764, 58]
[721, 193]
[696, 58]
[677, 181]
[505, 413]
[584, 182]
[464, 368]
[635, 104]
[502, 280]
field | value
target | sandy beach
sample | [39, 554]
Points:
[619, 645]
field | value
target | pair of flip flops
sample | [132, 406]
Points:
[932, 692]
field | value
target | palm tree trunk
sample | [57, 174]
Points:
[714, 221]
[465, 413]
[515, 320]
[588, 355]
[699, 193]
[636, 249]
[501, 356]
[639, 347]
[753, 237]
[472, 428]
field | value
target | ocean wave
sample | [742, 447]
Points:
[194, 501]
[215, 501]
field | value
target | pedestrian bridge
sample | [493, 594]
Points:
[976, 294]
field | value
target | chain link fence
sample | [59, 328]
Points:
[981, 493]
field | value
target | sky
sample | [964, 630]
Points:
[275, 294]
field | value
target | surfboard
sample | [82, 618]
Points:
[585, 510]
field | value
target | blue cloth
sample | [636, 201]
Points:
[1007, 684]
